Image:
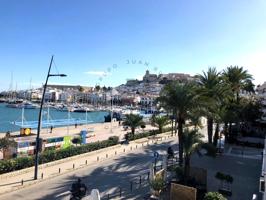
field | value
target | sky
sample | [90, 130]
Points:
[107, 42]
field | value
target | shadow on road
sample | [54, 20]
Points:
[109, 178]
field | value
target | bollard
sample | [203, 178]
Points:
[115, 152]
[59, 170]
[97, 158]
[124, 150]
[73, 166]
[131, 186]
[86, 162]
[22, 182]
[106, 156]
[131, 148]
[42, 175]
[139, 180]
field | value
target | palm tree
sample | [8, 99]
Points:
[210, 89]
[180, 99]
[195, 119]
[192, 143]
[238, 79]
[133, 121]
[159, 121]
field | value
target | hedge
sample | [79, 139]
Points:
[52, 155]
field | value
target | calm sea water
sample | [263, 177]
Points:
[9, 115]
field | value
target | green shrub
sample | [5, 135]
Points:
[114, 139]
[157, 184]
[214, 196]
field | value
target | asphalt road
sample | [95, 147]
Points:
[107, 176]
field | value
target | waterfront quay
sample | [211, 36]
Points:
[59, 136]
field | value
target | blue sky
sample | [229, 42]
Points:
[92, 40]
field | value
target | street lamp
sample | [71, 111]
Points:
[40, 119]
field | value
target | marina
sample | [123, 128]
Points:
[11, 118]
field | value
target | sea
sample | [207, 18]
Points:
[10, 115]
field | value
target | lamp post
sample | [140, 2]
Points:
[40, 119]
[111, 111]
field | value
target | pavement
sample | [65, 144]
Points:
[244, 168]
[108, 174]
[126, 163]
[97, 131]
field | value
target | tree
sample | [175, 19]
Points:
[104, 88]
[210, 88]
[97, 88]
[133, 121]
[81, 89]
[143, 126]
[214, 196]
[238, 79]
[250, 110]
[192, 143]
[6, 142]
[159, 121]
[180, 99]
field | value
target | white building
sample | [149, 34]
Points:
[51, 96]
[261, 93]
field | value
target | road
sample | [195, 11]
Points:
[107, 175]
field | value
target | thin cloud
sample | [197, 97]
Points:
[97, 73]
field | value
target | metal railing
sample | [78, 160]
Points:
[137, 183]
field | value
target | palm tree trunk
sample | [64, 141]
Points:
[160, 129]
[175, 126]
[187, 169]
[180, 140]
[133, 131]
[230, 129]
[210, 129]
[216, 134]
[172, 120]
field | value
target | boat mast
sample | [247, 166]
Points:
[68, 116]
[22, 117]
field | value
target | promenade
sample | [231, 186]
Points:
[96, 131]
[13, 181]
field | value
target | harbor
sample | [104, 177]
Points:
[10, 116]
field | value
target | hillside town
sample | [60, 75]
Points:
[132, 93]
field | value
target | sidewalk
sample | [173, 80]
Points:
[96, 131]
[23, 178]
